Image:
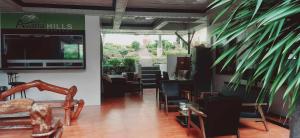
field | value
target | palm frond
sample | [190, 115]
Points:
[271, 45]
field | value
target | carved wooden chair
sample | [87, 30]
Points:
[24, 113]
[69, 104]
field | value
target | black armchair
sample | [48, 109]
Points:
[251, 110]
[218, 116]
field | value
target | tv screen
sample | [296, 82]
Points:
[34, 51]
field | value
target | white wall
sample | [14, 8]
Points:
[87, 81]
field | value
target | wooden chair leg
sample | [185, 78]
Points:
[141, 89]
[263, 117]
[202, 127]
[189, 122]
[78, 109]
[166, 105]
[156, 94]
[24, 92]
[68, 116]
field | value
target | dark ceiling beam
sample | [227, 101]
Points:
[164, 10]
[164, 14]
[160, 24]
[119, 13]
[11, 6]
[163, 22]
[203, 22]
[101, 13]
[142, 31]
[64, 6]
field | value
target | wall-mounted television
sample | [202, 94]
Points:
[42, 51]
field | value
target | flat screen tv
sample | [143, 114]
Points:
[35, 51]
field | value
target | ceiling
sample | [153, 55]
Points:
[104, 3]
[125, 16]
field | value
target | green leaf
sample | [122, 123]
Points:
[218, 3]
[277, 46]
[271, 68]
[291, 86]
[223, 56]
[258, 4]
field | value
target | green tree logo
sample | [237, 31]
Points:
[29, 21]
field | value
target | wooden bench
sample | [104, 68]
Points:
[71, 106]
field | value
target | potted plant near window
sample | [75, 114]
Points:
[129, 64]
[270, 47]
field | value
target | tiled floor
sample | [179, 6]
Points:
[138, 117]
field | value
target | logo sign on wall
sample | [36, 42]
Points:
[42, 21]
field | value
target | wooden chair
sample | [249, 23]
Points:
[171, 95]
[217, 116]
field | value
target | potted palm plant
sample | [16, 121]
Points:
[270, 46]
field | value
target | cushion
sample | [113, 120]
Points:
[15, 106]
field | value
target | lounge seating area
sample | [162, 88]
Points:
[149, 69]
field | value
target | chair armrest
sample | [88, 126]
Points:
[193, 109]
[254, 104]
[203, 94]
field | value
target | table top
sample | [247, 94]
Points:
[116, 76]
[176, 79]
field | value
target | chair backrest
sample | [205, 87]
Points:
[249, 96]
[158, 78]
[130, 76]
[11, 77]
[165, 75]
[223, 115]
[171, 89]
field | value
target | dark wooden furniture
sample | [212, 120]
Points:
[165, 75]
[24, 113]
[158, 89]
[201, 74]
[216, 116]
[171, 94]
[69, 104]
[251, 110]
[183, 63]
[133, 83]
[114, 85]
[12, 81]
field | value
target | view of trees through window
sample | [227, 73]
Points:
[139, 46]
[73, 51]
[121, 49]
